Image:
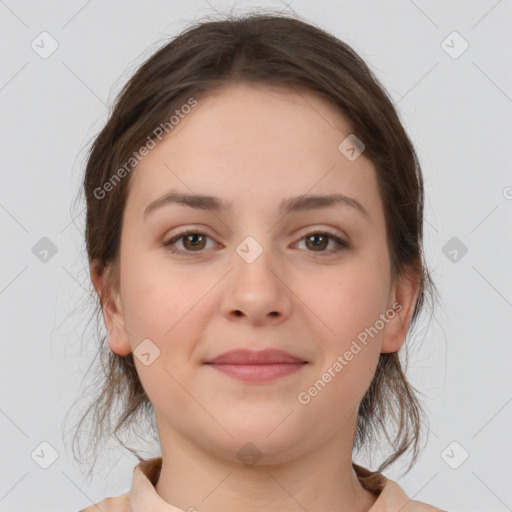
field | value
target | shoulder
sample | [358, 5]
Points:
[144, 475]
[114, 504]
[393, 497]
[390, 496]
[418, 506]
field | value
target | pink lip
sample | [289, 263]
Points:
[261, 366]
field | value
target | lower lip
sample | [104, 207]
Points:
[258, 372]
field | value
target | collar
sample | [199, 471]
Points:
[143, 497]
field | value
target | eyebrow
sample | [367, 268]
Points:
[290, 205]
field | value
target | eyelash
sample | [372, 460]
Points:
[341, 244]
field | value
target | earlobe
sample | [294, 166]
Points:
[118, 340]
[113, 317]
[403, 299]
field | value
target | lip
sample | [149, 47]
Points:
[252, 357]
[256, 366]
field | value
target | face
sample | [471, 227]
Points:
[310, 281]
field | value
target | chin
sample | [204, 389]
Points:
[265, 445]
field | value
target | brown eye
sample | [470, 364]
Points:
[319, 241]
[192, 241]
[195, 242]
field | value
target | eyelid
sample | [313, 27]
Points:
[341, 241]
[182, 234]
[334, 235]
[335, 232]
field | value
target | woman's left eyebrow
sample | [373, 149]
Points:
[290, 205]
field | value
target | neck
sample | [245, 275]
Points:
[192, 478]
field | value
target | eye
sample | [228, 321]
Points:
[191, 239]
[320, 240]
[195, 242]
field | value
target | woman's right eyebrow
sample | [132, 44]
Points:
[291, 205]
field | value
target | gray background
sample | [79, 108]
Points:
[458, 112]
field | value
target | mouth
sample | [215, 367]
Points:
[261, 366]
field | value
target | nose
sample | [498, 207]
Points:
[256, 291]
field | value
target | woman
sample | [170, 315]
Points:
[254, 232]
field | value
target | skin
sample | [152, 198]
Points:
[254, 146]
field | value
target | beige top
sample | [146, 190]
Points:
[143, 497]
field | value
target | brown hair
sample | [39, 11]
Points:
[265, 49]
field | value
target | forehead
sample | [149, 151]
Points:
[246, 142]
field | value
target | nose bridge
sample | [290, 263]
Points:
[254, 258]
[255, 231]
[255, 288]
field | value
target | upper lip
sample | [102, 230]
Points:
[244, 356]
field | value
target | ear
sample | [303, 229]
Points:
[402, 299]
[113, 317]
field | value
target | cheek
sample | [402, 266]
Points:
[160, 303]
[340, 397]
[347, 300]
[172, 308]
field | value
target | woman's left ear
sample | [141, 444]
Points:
[403, 297]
